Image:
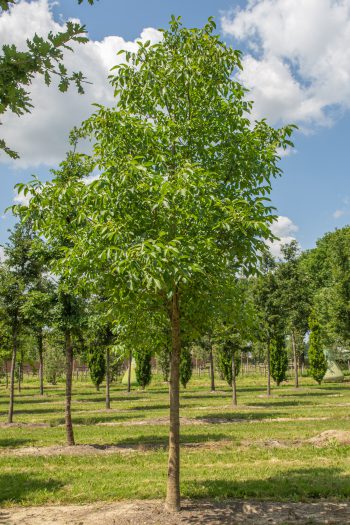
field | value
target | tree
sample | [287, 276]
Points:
[97, 365]
[143, 359]
[163, 359]
[279, 359]
[317, 359]
[179, 205]
[270, 316]
[229, 363]
[295, 297]
[186, 365]
[43, 57]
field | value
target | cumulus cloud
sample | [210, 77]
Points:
[285, 229]
[41, 137]
[339, 213]
[298, 61]
[2, 254]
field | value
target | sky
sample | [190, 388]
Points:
[296, 64]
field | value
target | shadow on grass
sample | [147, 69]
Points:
[293, 485]
[20, 487]
[154, 442]
[237, 417]
[15, 442]
[269, 403]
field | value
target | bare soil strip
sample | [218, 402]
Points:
[193, 513]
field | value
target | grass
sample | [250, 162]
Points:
[257, 450]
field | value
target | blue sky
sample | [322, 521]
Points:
[296, 65]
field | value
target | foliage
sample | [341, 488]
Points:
[317, 358]
[97, 365]
[278, 359]
[163, 360]
[186, 365]
[143, 359]
[54, 363]
[226, 352]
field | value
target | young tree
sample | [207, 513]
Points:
[143, 358]
[229, 363]
[270, 315]
[163, 359]
[179, 204]
[294, 297]
[317, 359]
[97, 365]
[186, 365]
[279, 359]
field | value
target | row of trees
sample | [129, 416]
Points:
[152, 241]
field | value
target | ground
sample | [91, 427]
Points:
[283, 459]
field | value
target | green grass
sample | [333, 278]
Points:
[227, 455]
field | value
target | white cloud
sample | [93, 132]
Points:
[284, 228]
[41, 137]
[298, 64]
[2, 254]
[338, 213]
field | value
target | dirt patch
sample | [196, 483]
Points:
[192, 513]
[24, 425]
[340, 436]
[151, 421]
[57, 450]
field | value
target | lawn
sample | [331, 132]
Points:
[264, 448]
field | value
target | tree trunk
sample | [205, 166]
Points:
[129, 372]
[173, 487]
[7, 375]
[12, 374]
[295, 356]
[41, 363]
[212, 376]
[268, 357]
[69, 376]
[108, 399]
[234, 389]
[19, 375]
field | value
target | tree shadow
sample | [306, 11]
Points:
[269, 403]
[237, 417]
[15, 442]
[293, 485]
[19, 487]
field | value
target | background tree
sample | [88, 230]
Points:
[279, 359]
[229, 362]
[317, 359]
[186, 365]
[179, 205]
[163, 360]
[97, 365]
[143, 358]
[295, 298]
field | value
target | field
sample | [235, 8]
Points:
[292, 447]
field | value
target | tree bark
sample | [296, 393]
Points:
[268, 358]
[173, 486]
[41, 363]
[234, 389]
[12, 374]
[108, 399]
[69, 376]
[129, 372]
[212, 375]
[295, 357]
[19, 375]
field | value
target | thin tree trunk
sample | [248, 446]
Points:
[108, 399]
[242, 367]
[295, 356]
[268, 357]
[7, 375]
[12, 374]
[173, 486]
[129, 372]
[234, 389]
[19, 375]
[212, 375]
[41, 363]
[69, 376]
